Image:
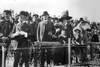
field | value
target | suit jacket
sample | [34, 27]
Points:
[7, 28]
[43, 30]
[21, 27]
[22, 40]
[33, 32]
[95, 38]
[69, 30]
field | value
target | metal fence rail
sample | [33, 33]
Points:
[52, 45]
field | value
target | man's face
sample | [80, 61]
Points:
[63, 32]
[45, 17]
[65, 21]
[23, 18]
[56, 21]
[35, 18]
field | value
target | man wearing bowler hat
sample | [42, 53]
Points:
[33, 37]
[20, 34]
[45, 31]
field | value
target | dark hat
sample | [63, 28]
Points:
[24, 13]
[45, 13]
[55, 18]
[89, 30]
[8, 12]
[81, 19]
[35, 15]
[65, 16]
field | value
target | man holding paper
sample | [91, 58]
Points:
[22, 31]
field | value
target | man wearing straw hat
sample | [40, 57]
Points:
[66, 25]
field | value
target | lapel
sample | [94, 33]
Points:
[42, 29]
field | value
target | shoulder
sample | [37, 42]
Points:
[41, 23]
[50, 22]
[18, 24]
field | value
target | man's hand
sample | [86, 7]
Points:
[1, 34]
[57, 30]
[13, 35]
[23, 33]
[5, 38]
[53, 36]
[50, 33]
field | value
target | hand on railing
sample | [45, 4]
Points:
[1, 34]
[50, 33]
[4, 38]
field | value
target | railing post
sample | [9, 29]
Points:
[69, 52]
[3, 53]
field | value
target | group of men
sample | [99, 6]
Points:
[25, 28]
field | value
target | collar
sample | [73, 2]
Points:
[24, 21]
[45, 22]
[63, 35]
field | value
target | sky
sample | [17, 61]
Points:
[76, 8]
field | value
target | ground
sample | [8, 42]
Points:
[95, 63]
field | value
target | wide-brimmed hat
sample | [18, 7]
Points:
[24, 13]
[45, 13]
[65, 16]
[8, 12]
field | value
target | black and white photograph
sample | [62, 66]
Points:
[49, 33]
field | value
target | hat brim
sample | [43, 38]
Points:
[23, 13]
[67, 18]
[35, 15]
[45, 14]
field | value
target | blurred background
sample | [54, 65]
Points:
[77, 8]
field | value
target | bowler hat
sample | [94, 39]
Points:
[24, 13]
[45, 13]
[65, 16]
[35, 15]
[55, 18]
[81, 19]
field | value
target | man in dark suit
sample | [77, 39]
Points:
[23, 31]
[66, 25]
[5, 29]
[33, 37]
[45, 31]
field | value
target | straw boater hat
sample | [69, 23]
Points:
[65, 16]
